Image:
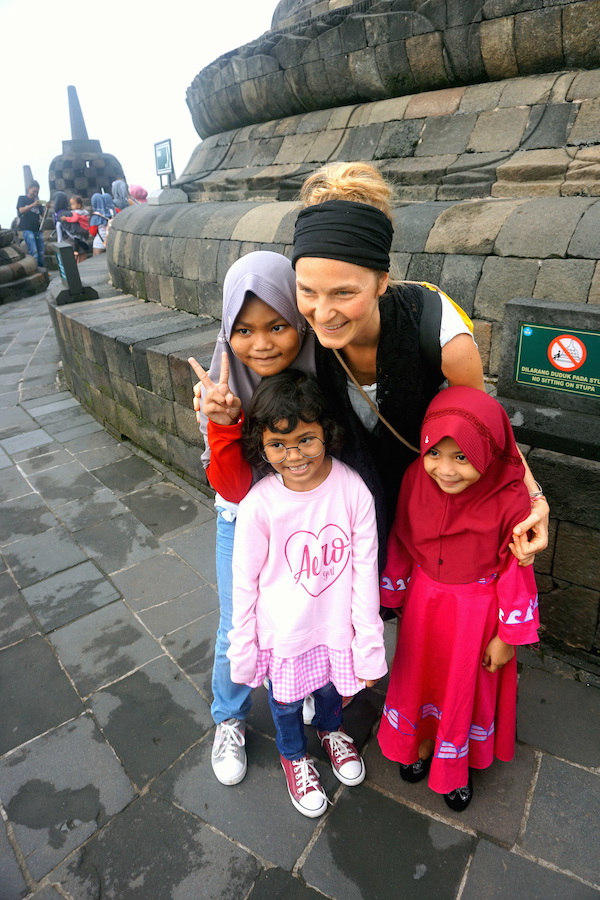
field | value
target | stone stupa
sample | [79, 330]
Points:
[82, 168]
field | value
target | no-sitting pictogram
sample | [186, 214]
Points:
[567, 352]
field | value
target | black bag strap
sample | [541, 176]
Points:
[429, 332]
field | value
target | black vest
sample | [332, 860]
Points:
[406, 383]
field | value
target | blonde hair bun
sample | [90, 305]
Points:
[355, 181]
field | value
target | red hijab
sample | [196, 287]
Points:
[470, 531]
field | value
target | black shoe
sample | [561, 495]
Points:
[416, 771]
[459, 799]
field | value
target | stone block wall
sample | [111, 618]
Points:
[483, 253]
[534, 136]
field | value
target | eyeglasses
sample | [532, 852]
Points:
[309, 447]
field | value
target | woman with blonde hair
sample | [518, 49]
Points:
[384, 347]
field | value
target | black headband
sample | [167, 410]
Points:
[341, 229]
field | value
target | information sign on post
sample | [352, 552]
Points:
[164, 160]
[549, 374]
[555, 359]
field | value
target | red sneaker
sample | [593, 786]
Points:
[304, 786]
[346, 763]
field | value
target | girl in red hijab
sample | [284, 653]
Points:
[466, 602]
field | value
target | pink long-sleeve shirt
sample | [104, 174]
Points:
[305, 574]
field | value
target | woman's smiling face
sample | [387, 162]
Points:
[340, 300]
[262, 339]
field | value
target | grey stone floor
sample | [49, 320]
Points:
[107, 618]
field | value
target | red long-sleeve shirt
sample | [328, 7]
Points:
[228, 471]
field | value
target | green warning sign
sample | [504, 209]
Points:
[558, 359]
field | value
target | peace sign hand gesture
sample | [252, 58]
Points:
[221, 405]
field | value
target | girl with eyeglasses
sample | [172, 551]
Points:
[305, 581]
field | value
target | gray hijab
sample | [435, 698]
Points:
[270, 277]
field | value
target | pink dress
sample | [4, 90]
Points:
[438, 687]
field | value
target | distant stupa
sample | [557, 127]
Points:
[82, 168]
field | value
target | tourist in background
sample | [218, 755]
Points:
[31, 212]
[120, 195]
[77, 226]
[138, 193]
[60, 208]
[98, 224]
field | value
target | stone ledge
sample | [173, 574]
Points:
[126, 362]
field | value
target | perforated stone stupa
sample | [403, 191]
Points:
[82, 168]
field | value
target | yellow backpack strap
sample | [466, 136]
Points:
[459, 309]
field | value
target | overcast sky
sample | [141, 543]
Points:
[131, 65]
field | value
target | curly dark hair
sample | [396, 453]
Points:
[291, 396]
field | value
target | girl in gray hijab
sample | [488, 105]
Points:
[262, 333]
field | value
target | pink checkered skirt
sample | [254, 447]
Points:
[294, 678]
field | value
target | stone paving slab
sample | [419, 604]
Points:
[11, 878]
[150, 718]
[282, 835]
[52, 810]
[118, 543]
[39, 459]
[126, 475]
[559, 822]
[192, 647]
[503, 787]
[197, 547]
[63, 483]
[152, 843]
[166, 618]
[408, 853]
[12, 485]
[90, 510]
[16, 621]
[36, 694]
[66, 596]
[36, 438]
[561, 718]
[37, 557]
[23, 517]
[155, 580]
[103, 646]
[166, 509]
[494, 872]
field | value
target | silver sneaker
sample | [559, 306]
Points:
[229, 751]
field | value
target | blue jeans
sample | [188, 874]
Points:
[289, 726]
[35, 245]
[230, 700]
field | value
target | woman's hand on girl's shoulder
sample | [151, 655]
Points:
[220, 405]
[524, 545]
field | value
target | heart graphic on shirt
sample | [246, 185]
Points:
[316, 561]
